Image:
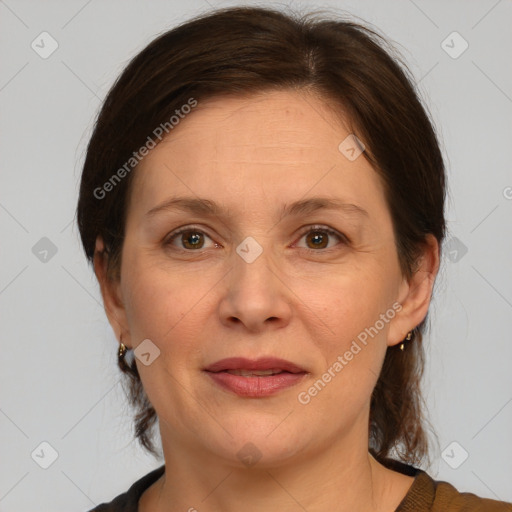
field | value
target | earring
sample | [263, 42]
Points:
[121, 355]
[122, 351]
[407, 338]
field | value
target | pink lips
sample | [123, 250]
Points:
[236, 375]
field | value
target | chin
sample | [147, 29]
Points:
[261, 444]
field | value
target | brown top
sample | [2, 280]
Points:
[428, 495]
[424, 495]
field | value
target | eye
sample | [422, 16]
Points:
[191, 239]
[318, 237]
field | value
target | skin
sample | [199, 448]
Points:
[255, 155]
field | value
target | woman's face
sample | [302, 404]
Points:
[261, 279]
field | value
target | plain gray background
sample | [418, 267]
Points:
[60, 383]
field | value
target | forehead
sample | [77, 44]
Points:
[256, 148]
[274, 123]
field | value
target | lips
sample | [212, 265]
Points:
[269, 365]
[255, 378]
[255, 373]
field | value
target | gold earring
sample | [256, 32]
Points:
[123, 365]
[407, 338]
[122, 351]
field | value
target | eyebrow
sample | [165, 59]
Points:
[200, 206]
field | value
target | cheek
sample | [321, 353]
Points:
[346, 305]
[352, 347]
[161, 305]
[165, 309]
[353, 344]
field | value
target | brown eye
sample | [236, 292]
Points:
[319, 238]
[190, 239]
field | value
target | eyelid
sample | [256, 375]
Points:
[312, 227]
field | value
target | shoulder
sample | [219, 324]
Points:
[129, 500]
[447, 497]
[429, 495]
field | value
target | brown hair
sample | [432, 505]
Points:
[244, 50]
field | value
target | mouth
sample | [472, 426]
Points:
[255, 378]
[262, 366]
[255, 373]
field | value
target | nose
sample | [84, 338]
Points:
[256, 296]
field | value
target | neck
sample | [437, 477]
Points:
[336, 478]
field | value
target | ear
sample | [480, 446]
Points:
[415, 293]
[110, 291]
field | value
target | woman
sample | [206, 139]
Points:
[263, 203]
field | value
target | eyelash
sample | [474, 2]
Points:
[344, 239]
